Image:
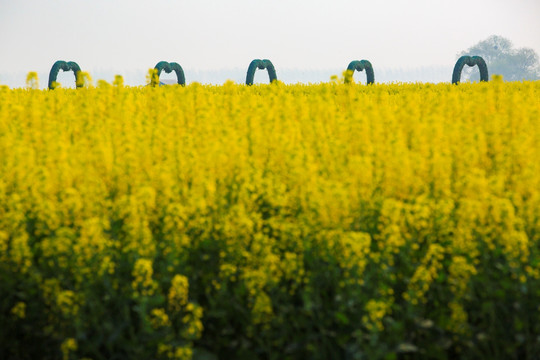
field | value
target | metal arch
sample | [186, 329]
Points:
[260, 64]
[359, 65]
[65, 66]
[170, 67]
[470, 61]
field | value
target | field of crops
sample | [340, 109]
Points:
[328, 221]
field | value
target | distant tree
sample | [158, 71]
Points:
[503, 59]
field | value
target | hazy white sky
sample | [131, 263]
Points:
[210, 34]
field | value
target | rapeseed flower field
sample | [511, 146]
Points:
[323, 221]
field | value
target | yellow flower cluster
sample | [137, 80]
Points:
[19, 310]
[178, 293]
[375, 312]
[426, 273]
[176, 353]
[69, 345]
[393, 193]
[143, 284]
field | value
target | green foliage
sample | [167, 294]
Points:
[277, 222]
[502, 58]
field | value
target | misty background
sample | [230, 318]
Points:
[289, 76]
[214, 41]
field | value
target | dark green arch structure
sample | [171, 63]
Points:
[359, 65]
[260, 64]
[65, 66]
[470, 61]
[170, 67]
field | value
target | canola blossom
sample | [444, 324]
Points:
[323, 221]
